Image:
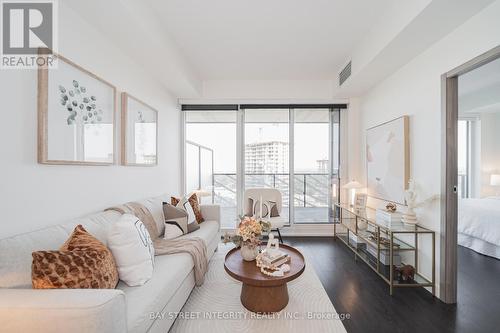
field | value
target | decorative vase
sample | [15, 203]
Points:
[249, 253]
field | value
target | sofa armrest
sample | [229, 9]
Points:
[63, 310]
[211, 212]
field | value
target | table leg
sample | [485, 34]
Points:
[264, 299]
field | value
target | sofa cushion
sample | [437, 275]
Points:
[169, 273]
[208, 230]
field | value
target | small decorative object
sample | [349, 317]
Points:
[277, 267]
[409, 216]
[76, 116]
[139, 132]
[383, 241]
[405, 273]
[273, 246]
[391, 207]
[360, 201]
[248, 236]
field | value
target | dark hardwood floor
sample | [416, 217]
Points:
[355, 289]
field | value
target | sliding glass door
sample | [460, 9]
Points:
[295, 150]
[267, 152]
[312, 164]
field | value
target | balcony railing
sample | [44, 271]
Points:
[311, 189]
[310, 196]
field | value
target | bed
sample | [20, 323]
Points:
[479, 225]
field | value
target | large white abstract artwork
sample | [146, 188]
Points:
[387, 158]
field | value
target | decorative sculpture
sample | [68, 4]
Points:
[405, 273]
[391, 207]
[273, 246]
[409, 216]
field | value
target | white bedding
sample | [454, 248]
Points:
[480, 219]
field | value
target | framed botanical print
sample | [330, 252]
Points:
[76, 116]
[139, 125]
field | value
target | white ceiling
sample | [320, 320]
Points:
[268, 39]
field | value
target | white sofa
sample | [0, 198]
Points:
[147, 308]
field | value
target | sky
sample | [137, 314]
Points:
[311, 142]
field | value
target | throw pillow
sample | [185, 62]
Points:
[193, 200]
[274, 209]
[132, 247]
[79, 268]
[265, 208]
[249, 208]
[176, 219]
[80, 238]
[174, 201]
[173, 229]
[193, 226]
[81, 262]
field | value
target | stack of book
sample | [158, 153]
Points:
[384, 256]
[275, 259]
[389, 219]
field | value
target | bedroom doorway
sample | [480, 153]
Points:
[471, 168]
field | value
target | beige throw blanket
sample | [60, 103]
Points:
[195, 246]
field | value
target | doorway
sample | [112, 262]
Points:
[469, 101]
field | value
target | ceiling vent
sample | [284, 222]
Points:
[345, 73]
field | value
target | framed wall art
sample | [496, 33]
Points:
[139, 132]
[76, 116]
[388, 160]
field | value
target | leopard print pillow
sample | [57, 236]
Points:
[174, 201]
[80, 268]
[193, 201]
[82, 262]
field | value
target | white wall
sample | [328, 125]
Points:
[490, 151]
[33, 196]
[268, 89]
[415, 90]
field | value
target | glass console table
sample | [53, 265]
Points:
[379, 245]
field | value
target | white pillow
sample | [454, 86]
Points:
[132, 248]
[185, 205]
[173, 227]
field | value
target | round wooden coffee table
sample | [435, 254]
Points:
[261, 293]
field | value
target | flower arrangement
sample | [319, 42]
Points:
[249, 232]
